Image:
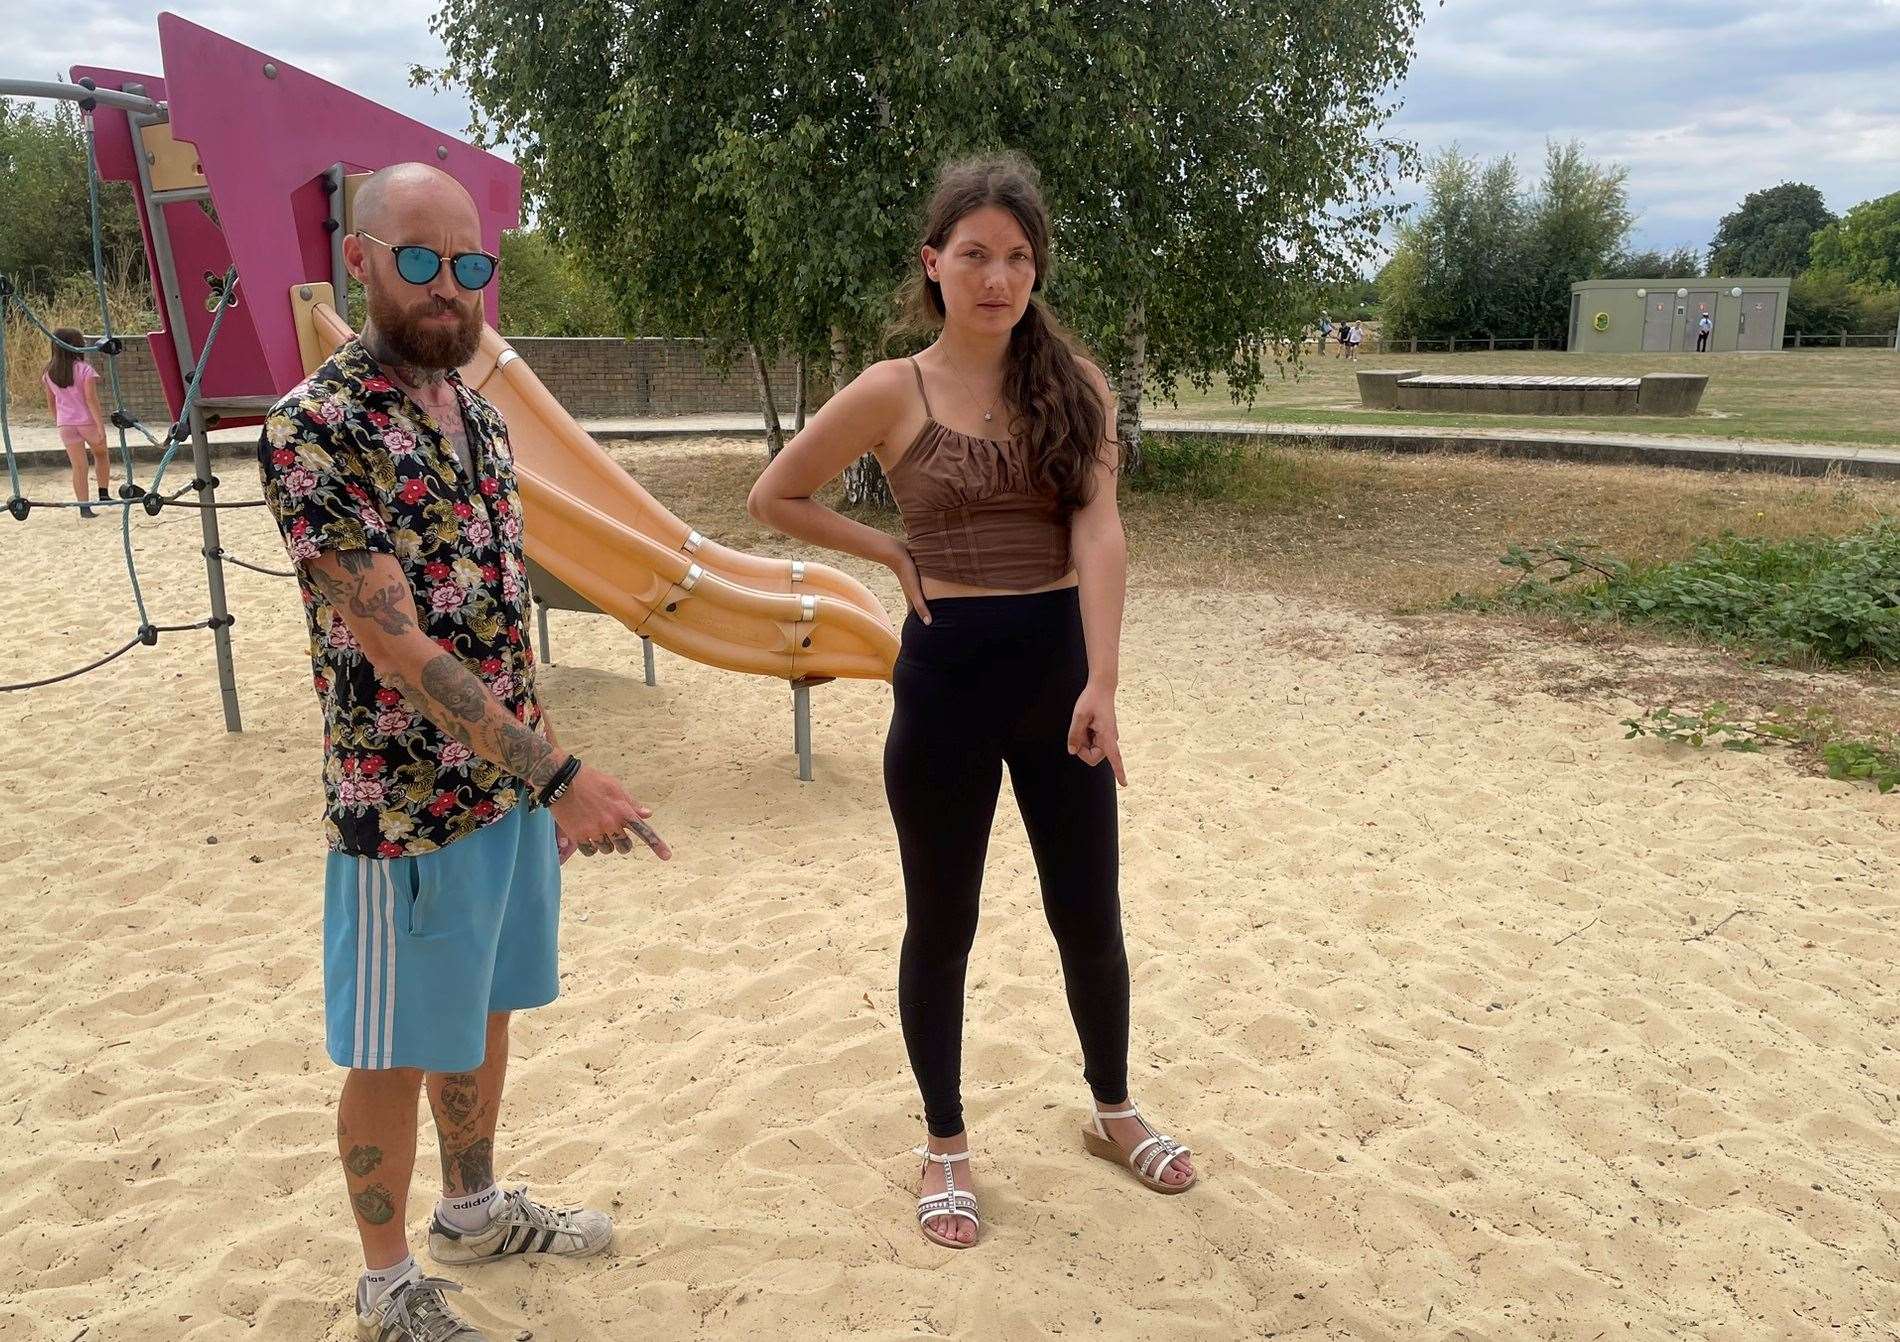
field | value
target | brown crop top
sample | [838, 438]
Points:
[972, 515]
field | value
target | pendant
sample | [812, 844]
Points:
[986, 416]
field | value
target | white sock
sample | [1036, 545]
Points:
[471, 1212]
[376, 1283]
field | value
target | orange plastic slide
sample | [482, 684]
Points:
[591, 525]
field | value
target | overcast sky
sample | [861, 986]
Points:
[1704, 100]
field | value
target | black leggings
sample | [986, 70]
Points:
[993, 680]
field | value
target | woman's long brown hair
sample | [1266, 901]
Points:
[60, 367]
[1055, 409]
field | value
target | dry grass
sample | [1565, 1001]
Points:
[76, 304]
[1398, 535]
[1821, 396]
[1404, 532]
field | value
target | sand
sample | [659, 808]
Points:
[1484, 1022]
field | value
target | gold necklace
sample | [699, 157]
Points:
[989, 414]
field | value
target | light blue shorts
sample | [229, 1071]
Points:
[417, 951]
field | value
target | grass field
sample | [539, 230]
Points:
[1811, 396]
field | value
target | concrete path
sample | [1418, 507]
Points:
[38, 444]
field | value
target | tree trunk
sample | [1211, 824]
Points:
[774, 432]
[804, 373]
[1128, 384]
[864, 482]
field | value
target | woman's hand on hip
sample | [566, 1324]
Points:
[906, 570]
[1092, 734]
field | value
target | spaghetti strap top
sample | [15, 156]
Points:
[973, 513]
[922, 395]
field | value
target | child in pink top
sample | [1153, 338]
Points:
[72, 398]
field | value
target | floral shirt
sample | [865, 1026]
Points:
[352, 463]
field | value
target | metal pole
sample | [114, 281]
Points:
[39, 88]
[214, 569]
[339, 273]
[801, 727]
[162, 253]
[646, 650]
[541, 616]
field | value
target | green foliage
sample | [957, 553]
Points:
[1230, 470]
[1770, 232]
[1485, 257]
[46, 225]
[1864, 245]
[1711, 726]
[1833, 598]
[1577, 220]
[1822, 300]
[546, 292]
[1878, 762]
[1350, 300]
[756, 173]
[1676, 263]
[1875, 760]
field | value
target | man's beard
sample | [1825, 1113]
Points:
[421, 344]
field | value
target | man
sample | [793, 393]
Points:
[450, 806]
[1702, 328]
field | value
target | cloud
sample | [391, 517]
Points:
[365, 45]
[1703, 100]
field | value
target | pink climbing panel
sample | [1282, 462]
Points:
[237, 365]
[266, 132]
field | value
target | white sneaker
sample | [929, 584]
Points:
[413, 1310]
[522, 1226]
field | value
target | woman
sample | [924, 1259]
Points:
[72, 399]
[1014, 570]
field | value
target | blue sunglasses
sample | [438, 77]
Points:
[420, 265]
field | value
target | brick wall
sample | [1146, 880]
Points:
[593, 377]
[138, 384]
[597, 377]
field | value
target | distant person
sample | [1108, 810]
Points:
[1325, 329]
[1355, 334]
[72, 399]
[1702, 328]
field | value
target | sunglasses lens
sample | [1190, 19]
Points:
[473, 270]
[418, 265]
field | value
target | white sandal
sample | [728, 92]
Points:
[1148, 1158]
[952, 1202]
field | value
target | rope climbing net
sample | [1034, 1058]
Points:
[151, 497]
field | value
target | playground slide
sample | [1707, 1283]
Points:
[591, 525]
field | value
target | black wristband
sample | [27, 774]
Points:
[563, 779]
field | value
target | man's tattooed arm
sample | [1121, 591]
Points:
[454, 699]
[357, 588]
[371, 596]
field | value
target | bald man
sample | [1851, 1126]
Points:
[450, 806]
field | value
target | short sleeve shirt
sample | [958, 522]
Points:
[350, 462]
[70, 406]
